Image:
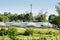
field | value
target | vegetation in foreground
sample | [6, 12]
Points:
[18, 33]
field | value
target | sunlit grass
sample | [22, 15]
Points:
[39, 34]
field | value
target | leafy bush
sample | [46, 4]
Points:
[29, 32]
[12, 32]
[3, 31]
[52, 33]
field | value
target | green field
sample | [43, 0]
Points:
[30, 34]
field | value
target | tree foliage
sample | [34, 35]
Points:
[51, 18]
[55, 19]
[41, 17]
[4, 19]
[28, 17]
[58, 8]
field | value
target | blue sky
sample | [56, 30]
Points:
[22, 6]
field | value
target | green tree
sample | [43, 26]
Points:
[28, 17]
[14, 17]
[41, 17]
[4, 19]
[58, 8]
[56, 21]
[5, 13]
[20, 17]
[1, 19]
[51, 18]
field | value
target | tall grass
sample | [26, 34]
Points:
[17, 33]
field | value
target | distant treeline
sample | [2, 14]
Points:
[28, 17]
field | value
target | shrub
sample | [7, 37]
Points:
[43, 38]
[3, 31]
[29, 32]
[12, 32]
[53, 33]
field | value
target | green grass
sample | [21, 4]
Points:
[38, 34]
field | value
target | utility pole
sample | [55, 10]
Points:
[31, 8]
[31, 11]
